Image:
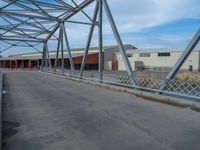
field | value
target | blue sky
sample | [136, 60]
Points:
[144, 24]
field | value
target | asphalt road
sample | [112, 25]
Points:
[43, 112]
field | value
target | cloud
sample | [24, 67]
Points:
[134, 15]
[133, 18]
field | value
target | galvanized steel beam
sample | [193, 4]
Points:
[119, 42]
[89, 39]
[193, 43]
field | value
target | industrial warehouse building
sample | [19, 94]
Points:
[140, 59]
[160, 58]
[34, 60]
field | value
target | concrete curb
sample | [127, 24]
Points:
[145, 95]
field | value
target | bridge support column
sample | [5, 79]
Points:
[57, 52]
[10, 65]
[119, 42]
[37, 63]
[16, 64]
[29, 64]
[62, 49]
[100, 42]
[68, 48]
[22, 64]
[89, 39]
[1, 64]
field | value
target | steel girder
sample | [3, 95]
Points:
[36, 21]
[193, 43]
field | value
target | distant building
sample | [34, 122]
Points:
[158, 59]
[140, 59]
[34, 60]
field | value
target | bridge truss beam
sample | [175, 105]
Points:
[24, 24]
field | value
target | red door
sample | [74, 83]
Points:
[115, 65]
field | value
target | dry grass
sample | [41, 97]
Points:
[188, 76]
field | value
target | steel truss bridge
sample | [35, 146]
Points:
[27, 23]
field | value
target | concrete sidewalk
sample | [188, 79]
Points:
[43, 112]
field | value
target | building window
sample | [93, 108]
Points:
[145, 54]
[129, 55]
[163, 54]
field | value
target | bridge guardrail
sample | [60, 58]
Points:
[179, 88]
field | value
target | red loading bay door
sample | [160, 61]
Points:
[115, 65]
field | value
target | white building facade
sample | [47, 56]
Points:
[158, 58]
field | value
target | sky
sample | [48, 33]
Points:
[153, 23]
[142, 23]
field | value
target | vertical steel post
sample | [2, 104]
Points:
[119, 42]
[62, 51]
[199, 63]
[43, 57]
[62, 48]
[47, 54]
[69, 50]
[89, 39]
[100, 41]
[22, 64]
[10, 64]
[38, 63]
[29, 64]
[57, 52]
[16, 64]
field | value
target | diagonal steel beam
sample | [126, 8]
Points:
[8, 4]
[57, 52]
[65, 4]
[43, 12]
[193, 43]
[20, 39]
[89, 39]
[45, 4]
[66, 17]
[68, 48]
[27, 15]
[82, 11]
[119, 42]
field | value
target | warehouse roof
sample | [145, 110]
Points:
[75, 53]
[155, 50]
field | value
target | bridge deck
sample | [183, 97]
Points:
[43, 112]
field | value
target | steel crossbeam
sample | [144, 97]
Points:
[36, 21]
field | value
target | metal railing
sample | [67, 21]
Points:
[178, 88]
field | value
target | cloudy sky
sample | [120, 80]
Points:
[157, 23]
[142, 23]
